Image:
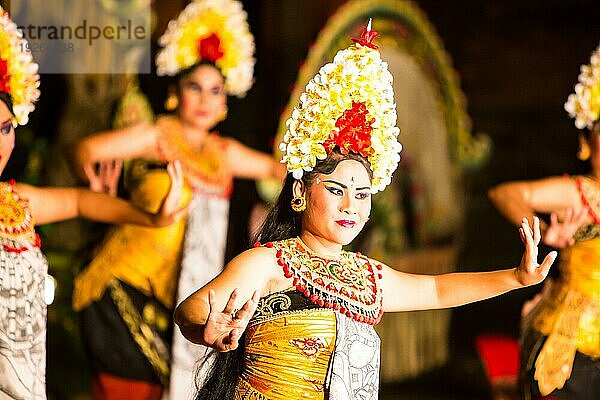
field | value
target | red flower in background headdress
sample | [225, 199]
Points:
[209, 48]
[366, 37]
[4, 77]
[354, 131]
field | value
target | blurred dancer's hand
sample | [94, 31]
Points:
[559, 234]
[105, 178]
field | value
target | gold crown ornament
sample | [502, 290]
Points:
[215, 31]
[19, 76]
[584, 104]
[350, 105]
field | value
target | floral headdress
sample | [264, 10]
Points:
[210, 30]
[584, 104]
[350, 105]
[18, 72]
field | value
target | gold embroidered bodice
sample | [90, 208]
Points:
[315, 339]
[570, 315]
[16, 222]
[289, 342]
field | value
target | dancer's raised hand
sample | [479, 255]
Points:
[105, 178]
[559, 234]
[224, 328]
[529, 272]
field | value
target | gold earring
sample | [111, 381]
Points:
[171, 102]
[299, 203]
[584, 149]
[224, 114]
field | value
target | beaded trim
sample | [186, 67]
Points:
[348, 284]
[206, 170]
[16, 221]
[589, 190]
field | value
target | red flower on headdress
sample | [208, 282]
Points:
[4, 77]
[355, 128]
[366, 38]
[209, 48]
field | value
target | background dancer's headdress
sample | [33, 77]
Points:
[19, 76]
[215, 31]
[350, 105]
[584, 104]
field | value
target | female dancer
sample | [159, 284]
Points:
[208, 51]
[561, 340]
[308, 325]
[23, 268]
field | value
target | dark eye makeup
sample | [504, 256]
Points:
[7, 127]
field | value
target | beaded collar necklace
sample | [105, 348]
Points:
[589, 190]
[15, 217]
[205, 170]
[349, 284]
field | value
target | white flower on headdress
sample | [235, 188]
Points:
[584, 104]
[18, 72]
[349, 104]
[215, 31]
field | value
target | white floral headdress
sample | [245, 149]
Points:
[350, 105]
[584, 104]
[18, 72]
[215, 31]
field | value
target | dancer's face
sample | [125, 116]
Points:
[202, 98]
[338, 204]
[7, 135]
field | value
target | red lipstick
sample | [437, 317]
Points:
[345, 223]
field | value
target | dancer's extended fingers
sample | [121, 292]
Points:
[247, 311]
[547, 263]
[568, 215]
[553, 219]
[522, 235]
[103, 168]
[581, 216]
[234, 337]
[117, 167]
[537, 236]
[212, 301]
[229, 307]
[526, 226]
[529, 243]
[175, 171]
[90, 171]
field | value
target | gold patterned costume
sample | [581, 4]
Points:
[569, 317]
[315, 340]
[135, 262]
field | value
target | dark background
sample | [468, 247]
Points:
[517, 62]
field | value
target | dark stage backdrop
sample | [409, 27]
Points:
[517, 61]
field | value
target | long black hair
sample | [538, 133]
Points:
[282, 222]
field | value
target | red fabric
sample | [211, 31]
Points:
[110, 387]
[500, 356]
